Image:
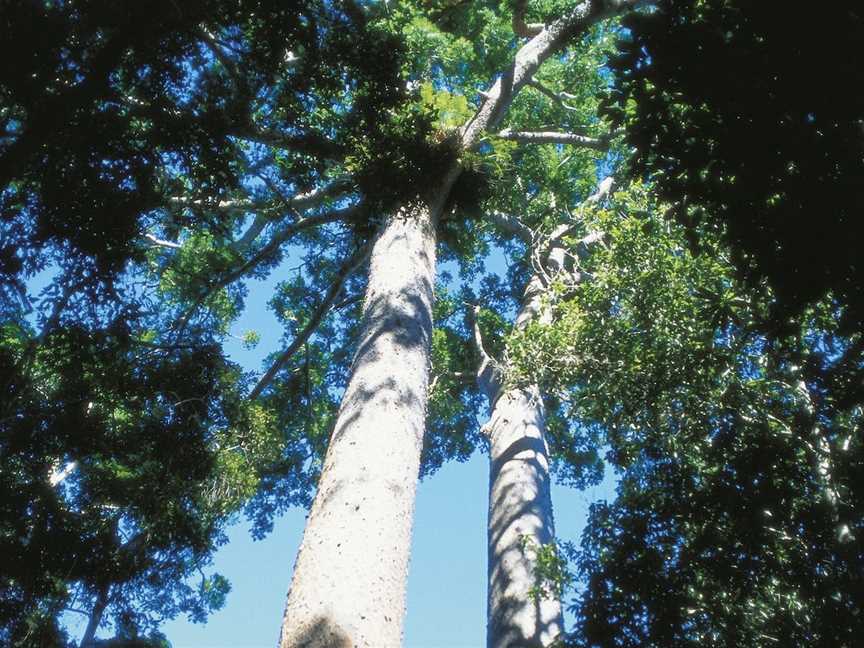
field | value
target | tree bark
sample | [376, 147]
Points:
[89, 637]
[520, 496]
[348, 587]
[520, 522]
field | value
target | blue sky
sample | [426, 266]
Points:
[447, 579]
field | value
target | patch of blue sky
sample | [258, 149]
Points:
[447, 578]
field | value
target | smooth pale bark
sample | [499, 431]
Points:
[520, 522]
[552, 137]
[348, 587]
[520, 499]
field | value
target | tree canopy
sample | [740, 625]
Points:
[701, 329]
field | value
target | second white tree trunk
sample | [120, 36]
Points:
[520, 522]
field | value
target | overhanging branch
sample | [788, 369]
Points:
[323, 308]
[512, 225]
[550, 137]
[309, 143]
[268, 251]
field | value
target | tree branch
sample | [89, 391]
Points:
[162, 243]
[520, 27]
[512, 225]
[549, 137]
[603, 191]
[529, 58]
[323, 308]
[268, 250]
[58, 475]
[310, 143]
[298, 202]
[556, 97]
[489, 375]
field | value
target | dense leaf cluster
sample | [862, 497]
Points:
[747, 118]
[737, 520]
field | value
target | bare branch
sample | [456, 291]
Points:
[323, 308]
[549, 137]
[162, 243]
[310, 143]
[512, 225]
[520, 27]
[232, 205]
[603, 190]
[489, 375]
[556, 97]
[58, 475]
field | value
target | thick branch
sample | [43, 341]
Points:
[603, 191]
[512, 225]
[520, 27]
[226, 206]
[101, 602]
[323, 308]
[548, 258]
[549, 137]
[529, 58]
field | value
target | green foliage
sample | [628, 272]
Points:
[725, 530]
[118, 122]
[552, 575]
[750, 127]
[452, 431]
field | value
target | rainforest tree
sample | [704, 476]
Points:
[155, 159]
[128, 439]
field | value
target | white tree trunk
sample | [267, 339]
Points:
[520, 613]
[520, 522]
[348, 587]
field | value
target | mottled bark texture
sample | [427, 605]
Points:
[348, 587]
[520, 498]
[520, 521]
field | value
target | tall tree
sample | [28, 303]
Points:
[347, 571]
[737, 515]
[129, 158]
[524, 605]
